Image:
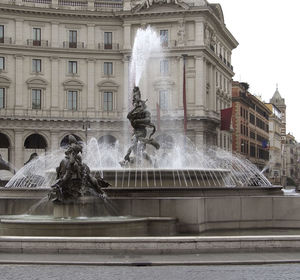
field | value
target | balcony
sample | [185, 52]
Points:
[114, 46]
[38, 1]
[73, 3]
[6, 40]
[73, 45]
[37, 43]
[109, 4]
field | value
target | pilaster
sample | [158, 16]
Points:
[19, 81]
[91, 84]
[55, 34]
[91, 35]
[127, 36]
[200, 65]
[199, 33]
[54, 82]
[19, 149]
[19, 31]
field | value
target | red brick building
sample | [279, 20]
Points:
[250, 120]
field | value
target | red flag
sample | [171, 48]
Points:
[184, 98]
[158, 116]
[226, 118]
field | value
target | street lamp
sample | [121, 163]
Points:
[86, 125]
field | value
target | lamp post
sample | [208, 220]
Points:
[86, 126]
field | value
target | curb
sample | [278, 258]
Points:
[161, 263]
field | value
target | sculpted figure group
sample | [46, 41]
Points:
[74, 178]
[140, 120]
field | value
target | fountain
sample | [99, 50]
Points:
[160, 187]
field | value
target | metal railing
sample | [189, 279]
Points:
[38, 1]
[37, 43]
[73, 45]
[6, 40]
[114, 46]
[72, 3]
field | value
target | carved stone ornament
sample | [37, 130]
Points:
[137, 5]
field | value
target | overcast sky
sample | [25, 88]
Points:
[268, 32]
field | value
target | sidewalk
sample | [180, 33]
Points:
[151, 260]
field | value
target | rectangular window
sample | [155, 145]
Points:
[108, 40]
[2, 63]
[164, 38]
[36, 65]
[72, 100]
[72, 67]
[108, 101]
[36, 36]
[1, 33]
[163, 99]
[108, 68]
[2, 98]
[164, 67]
[72, 39]
[36, 98]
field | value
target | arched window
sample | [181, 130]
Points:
[35, 141]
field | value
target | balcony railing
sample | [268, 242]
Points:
[73, 3]
[37, 43]
[73, 45]
[109, 4]
[38, 1]
[114, 46]
[6, 40]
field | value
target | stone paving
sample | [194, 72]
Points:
[238, 272]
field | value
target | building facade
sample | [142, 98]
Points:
[279, 102]
[291, 152]
[64, 68]
[275, 145]
[250, 118]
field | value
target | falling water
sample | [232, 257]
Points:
[187, 165]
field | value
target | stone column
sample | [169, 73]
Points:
[54, 141]
[200, 65]
[19, 149]
[199, 33]
[213, 88]
[91, 36]
[54, 82]
[19, 81]
[127, 36]
[91, 85]
[55, 34]
[19, 31]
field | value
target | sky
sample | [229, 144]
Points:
[269, 50]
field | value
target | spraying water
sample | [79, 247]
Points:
[146, 43]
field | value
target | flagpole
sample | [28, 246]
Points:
[184, 95]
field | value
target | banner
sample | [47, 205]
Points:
[226, 118]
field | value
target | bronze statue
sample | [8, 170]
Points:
[140, 120]
[74, 178]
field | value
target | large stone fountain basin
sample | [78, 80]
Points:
[36, 225]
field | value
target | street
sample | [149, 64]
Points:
[215, 272]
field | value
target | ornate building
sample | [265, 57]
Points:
[279, 102]
[275, 147]
[64, 68]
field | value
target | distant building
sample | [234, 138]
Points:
[275, 146]
[291, 148]
[250, 120]
[279, 102]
